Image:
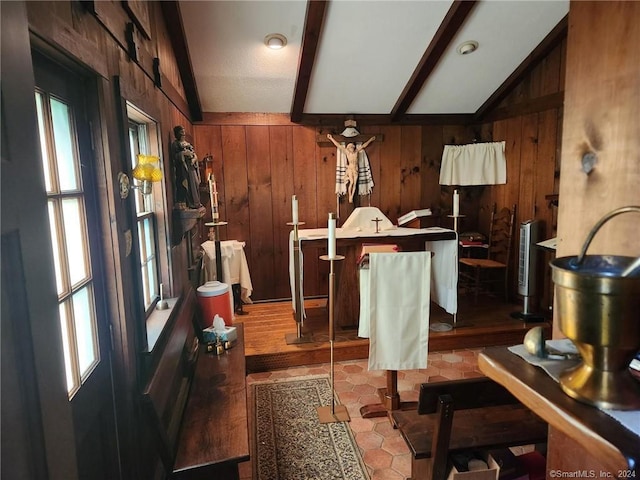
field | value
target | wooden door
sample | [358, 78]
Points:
[65, 139]
[48, 432]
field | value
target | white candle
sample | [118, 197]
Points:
[294, 210]
[456, 203]
[332, 236]
[213, 193]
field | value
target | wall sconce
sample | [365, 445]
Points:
[146, 172]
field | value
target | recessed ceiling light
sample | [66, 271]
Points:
[275, 41]
[467, 47]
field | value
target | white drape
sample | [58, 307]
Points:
[362, 220]
[474, 164]
[396, 293]
[234, 266]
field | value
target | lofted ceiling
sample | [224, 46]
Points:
[389, 61]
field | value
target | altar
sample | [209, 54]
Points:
[441, 241]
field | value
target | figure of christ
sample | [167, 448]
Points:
[351, 152]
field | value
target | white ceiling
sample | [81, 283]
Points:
[367, 53]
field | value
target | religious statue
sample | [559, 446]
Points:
[187, 172]
[351, 152]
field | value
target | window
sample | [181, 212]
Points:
[144, 140]
[69, 236]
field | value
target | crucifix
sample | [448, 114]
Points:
[377, 220]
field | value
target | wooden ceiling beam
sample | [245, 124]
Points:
[457, 14]
[551, 41]
[175, 28]
[310, 40]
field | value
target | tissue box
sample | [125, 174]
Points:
[230, 334]
[489, 474]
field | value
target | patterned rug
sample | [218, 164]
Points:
[291, 443]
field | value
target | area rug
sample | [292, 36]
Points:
[291, 443]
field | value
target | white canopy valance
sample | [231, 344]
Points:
[474, 164]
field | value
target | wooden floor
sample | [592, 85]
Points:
[270, 333]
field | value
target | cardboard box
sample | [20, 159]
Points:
[489, 474]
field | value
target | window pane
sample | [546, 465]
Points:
[84, 321]
[151, 273]
[64, 146]
[147, 225]
[75, 239]
[142, 242]
[71, 384]
[43, 144]
[55, 246]
[145, 286]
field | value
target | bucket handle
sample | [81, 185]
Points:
[596, 227]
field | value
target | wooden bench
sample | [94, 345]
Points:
[486, 416]
[196, 404]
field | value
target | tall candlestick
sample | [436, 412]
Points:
[294, 210]
[456, 203]
[332, 236]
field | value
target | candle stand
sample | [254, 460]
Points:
[455, 315]
[332, 413]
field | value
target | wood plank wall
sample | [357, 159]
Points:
[259, 167]
[601, 116]
[533, 141]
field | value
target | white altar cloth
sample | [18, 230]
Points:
[444, 269]
[394, 309]
[234, 266]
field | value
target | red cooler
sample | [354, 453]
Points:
[215, 299]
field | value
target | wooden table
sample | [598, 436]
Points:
[347, 302]
[615, 448]
[214, 434]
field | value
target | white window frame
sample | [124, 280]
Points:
[150, 208]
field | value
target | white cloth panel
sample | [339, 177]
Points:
[361, 220]
[399, 310]
[365, 305]
[474, 164]
[444, 274]
[292, 278]
[234, 266]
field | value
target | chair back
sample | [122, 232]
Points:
[500, 234]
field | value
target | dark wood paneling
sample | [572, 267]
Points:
[430, 167]
[234, 160]
[305, 189]
[260, 193]
[281, 144]
[390, 172]
[410, 163]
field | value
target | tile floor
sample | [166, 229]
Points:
[383, 449]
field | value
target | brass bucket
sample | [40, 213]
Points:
[599, 310]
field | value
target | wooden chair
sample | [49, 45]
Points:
[481, 273]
